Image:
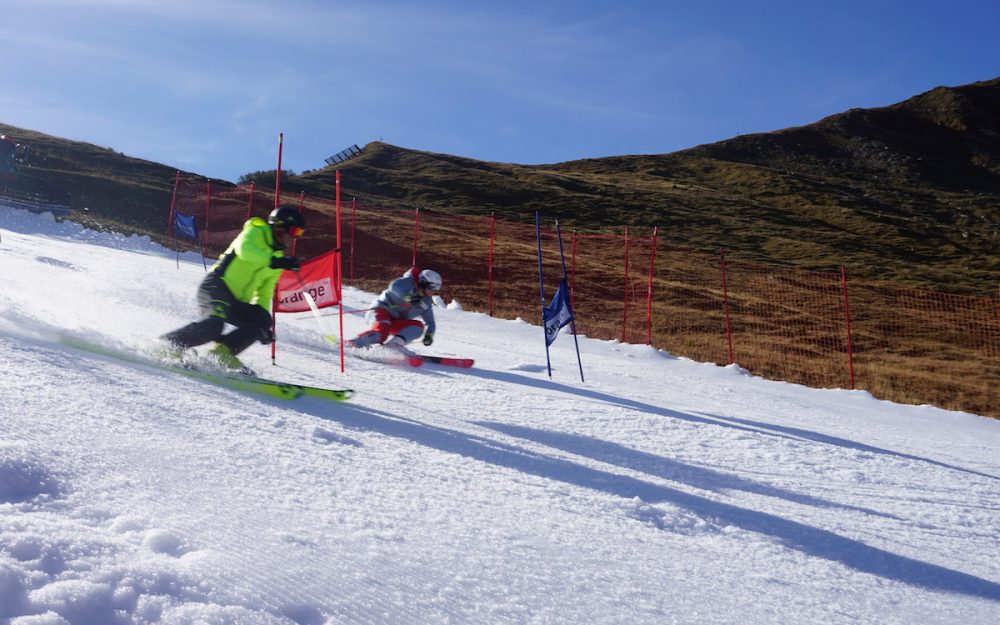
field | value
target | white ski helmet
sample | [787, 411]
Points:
[430, 279]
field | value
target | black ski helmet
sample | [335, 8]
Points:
[286, 217]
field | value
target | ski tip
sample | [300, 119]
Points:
[331, 339]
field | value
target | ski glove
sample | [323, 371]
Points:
[266, 336]
[428, 338]
[288, 263]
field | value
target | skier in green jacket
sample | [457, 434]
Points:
[240, 287]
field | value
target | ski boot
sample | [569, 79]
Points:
[228, 360]
[365, 339]
[167, 351]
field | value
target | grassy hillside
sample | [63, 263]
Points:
[909, 192]
[106, 188]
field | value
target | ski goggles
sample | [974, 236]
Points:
[296, 231]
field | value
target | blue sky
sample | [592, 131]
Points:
[206, 86]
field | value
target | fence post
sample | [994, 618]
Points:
[170, 219]
[302, 207]
[489, 267]
[277, 174]
[847, 320]
[250, 201]
[725, 304]
[625, 290]
[572, 275]
[649, 292]
[354, 212]
[208, 209]
[416, 236]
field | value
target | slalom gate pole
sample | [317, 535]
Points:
[541, 290]
[572, 322]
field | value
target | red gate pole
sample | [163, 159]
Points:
[489, 266]
[725, 304]
[649, 292]
[625, 290]
[847, 320]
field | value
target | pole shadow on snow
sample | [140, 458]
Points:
[809, 540]
[659, 466]
[746, 425]
[786, 431]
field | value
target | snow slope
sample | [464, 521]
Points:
[660, 491]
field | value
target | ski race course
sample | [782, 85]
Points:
[659, 491]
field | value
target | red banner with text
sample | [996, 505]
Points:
[317, 277]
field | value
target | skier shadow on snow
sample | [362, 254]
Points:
[809, 540]
[746, 425]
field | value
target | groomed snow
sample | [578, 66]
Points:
[660, 491]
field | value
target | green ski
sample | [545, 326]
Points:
[251, 384]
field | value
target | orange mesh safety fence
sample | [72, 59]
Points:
[907, 344]
[228, 211]
[515, 271]
[688, 304]
[457, 247]
[940, 348]
[609, 276]
[789, 324]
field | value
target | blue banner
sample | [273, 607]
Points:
[557, 314]
[184, 225]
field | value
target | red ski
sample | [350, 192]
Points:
[464, 363]
[404, 358]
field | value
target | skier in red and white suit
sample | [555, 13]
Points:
[402, 312]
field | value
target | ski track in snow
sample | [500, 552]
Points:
[660, 491]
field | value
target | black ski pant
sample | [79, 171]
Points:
[219, 307]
